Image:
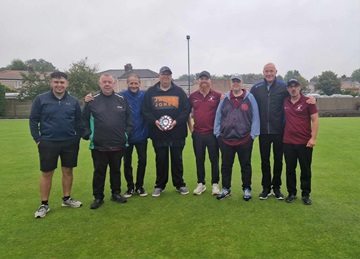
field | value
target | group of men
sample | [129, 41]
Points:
[115, 123]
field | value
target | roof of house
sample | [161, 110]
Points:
[121, 74]
[16, 74]
[142, 73]
[12, 74]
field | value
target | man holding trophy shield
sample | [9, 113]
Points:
[166, 109]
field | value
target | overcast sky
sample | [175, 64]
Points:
[227, 36]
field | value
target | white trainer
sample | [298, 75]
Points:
[200, 189]
[215, 189]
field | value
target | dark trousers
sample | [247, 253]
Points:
[200, 143]
[228, 155]
[265, 141]
[141, 148]
[293, 153]
[162, 166]
[101, 160]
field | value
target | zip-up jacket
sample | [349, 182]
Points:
[55, 119]
[140, 131]
[237, 123]
[270, 105]
[107, 121]
[173, 103]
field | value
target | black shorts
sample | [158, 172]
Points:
[49, 151]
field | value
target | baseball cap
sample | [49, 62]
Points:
[165, 69]
[236, 76]
[204, 73]
[293, 81]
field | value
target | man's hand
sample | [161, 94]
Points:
[311, 143]
[172, 125]
[311, 100]
[157, 123]
[88, 98]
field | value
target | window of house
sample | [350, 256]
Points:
[18, 84]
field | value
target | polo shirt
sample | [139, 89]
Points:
[298, 121]
[204, 109]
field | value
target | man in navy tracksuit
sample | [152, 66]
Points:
[138, 138]
[236, 126]
[270, 94]
[108, 124]
[55, 124]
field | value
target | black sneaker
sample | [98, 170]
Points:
[306, 200]
[118, 198]
[290, 198]
[278, 195]
[265, 194]
[96, 204]
[141, 192]
[128, 193]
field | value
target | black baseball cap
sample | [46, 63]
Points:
[293, 81]
[165, 69]
[204, 73]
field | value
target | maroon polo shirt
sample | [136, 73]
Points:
[298, 121]
[204, 108]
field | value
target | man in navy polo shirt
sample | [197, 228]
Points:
[204, 103]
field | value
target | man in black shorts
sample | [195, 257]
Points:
[55, 125]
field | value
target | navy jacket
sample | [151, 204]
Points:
[270, 105]
[140, 130]
[55, 119]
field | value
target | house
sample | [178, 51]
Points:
[348, 84]
[12, 78]
[147, 77]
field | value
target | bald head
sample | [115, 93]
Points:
[269, 73]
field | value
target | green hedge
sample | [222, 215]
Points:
[2, 100]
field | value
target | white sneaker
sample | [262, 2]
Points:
[215, 189]
[200, 189]
[41, 212]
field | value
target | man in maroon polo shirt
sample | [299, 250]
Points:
[300, 133]
[204, 103]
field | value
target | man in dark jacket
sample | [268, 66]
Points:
[270, 94]
[138, 138]
[166, 109]
[108, 124]
[55, 124]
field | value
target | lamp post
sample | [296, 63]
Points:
[188, 44]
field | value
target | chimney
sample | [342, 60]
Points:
[128, 67]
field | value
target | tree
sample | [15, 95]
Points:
[16, 64]
[356, 75]
[83, 79]
[295, 74]
[328, 83]
[314, 79]
[34, 83]
[184, 77]
[40, 65]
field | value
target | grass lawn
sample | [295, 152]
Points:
[177, 226]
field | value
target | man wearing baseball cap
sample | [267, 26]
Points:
[166, 109]
[301, 128]
[237, 124]
[204, 103]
